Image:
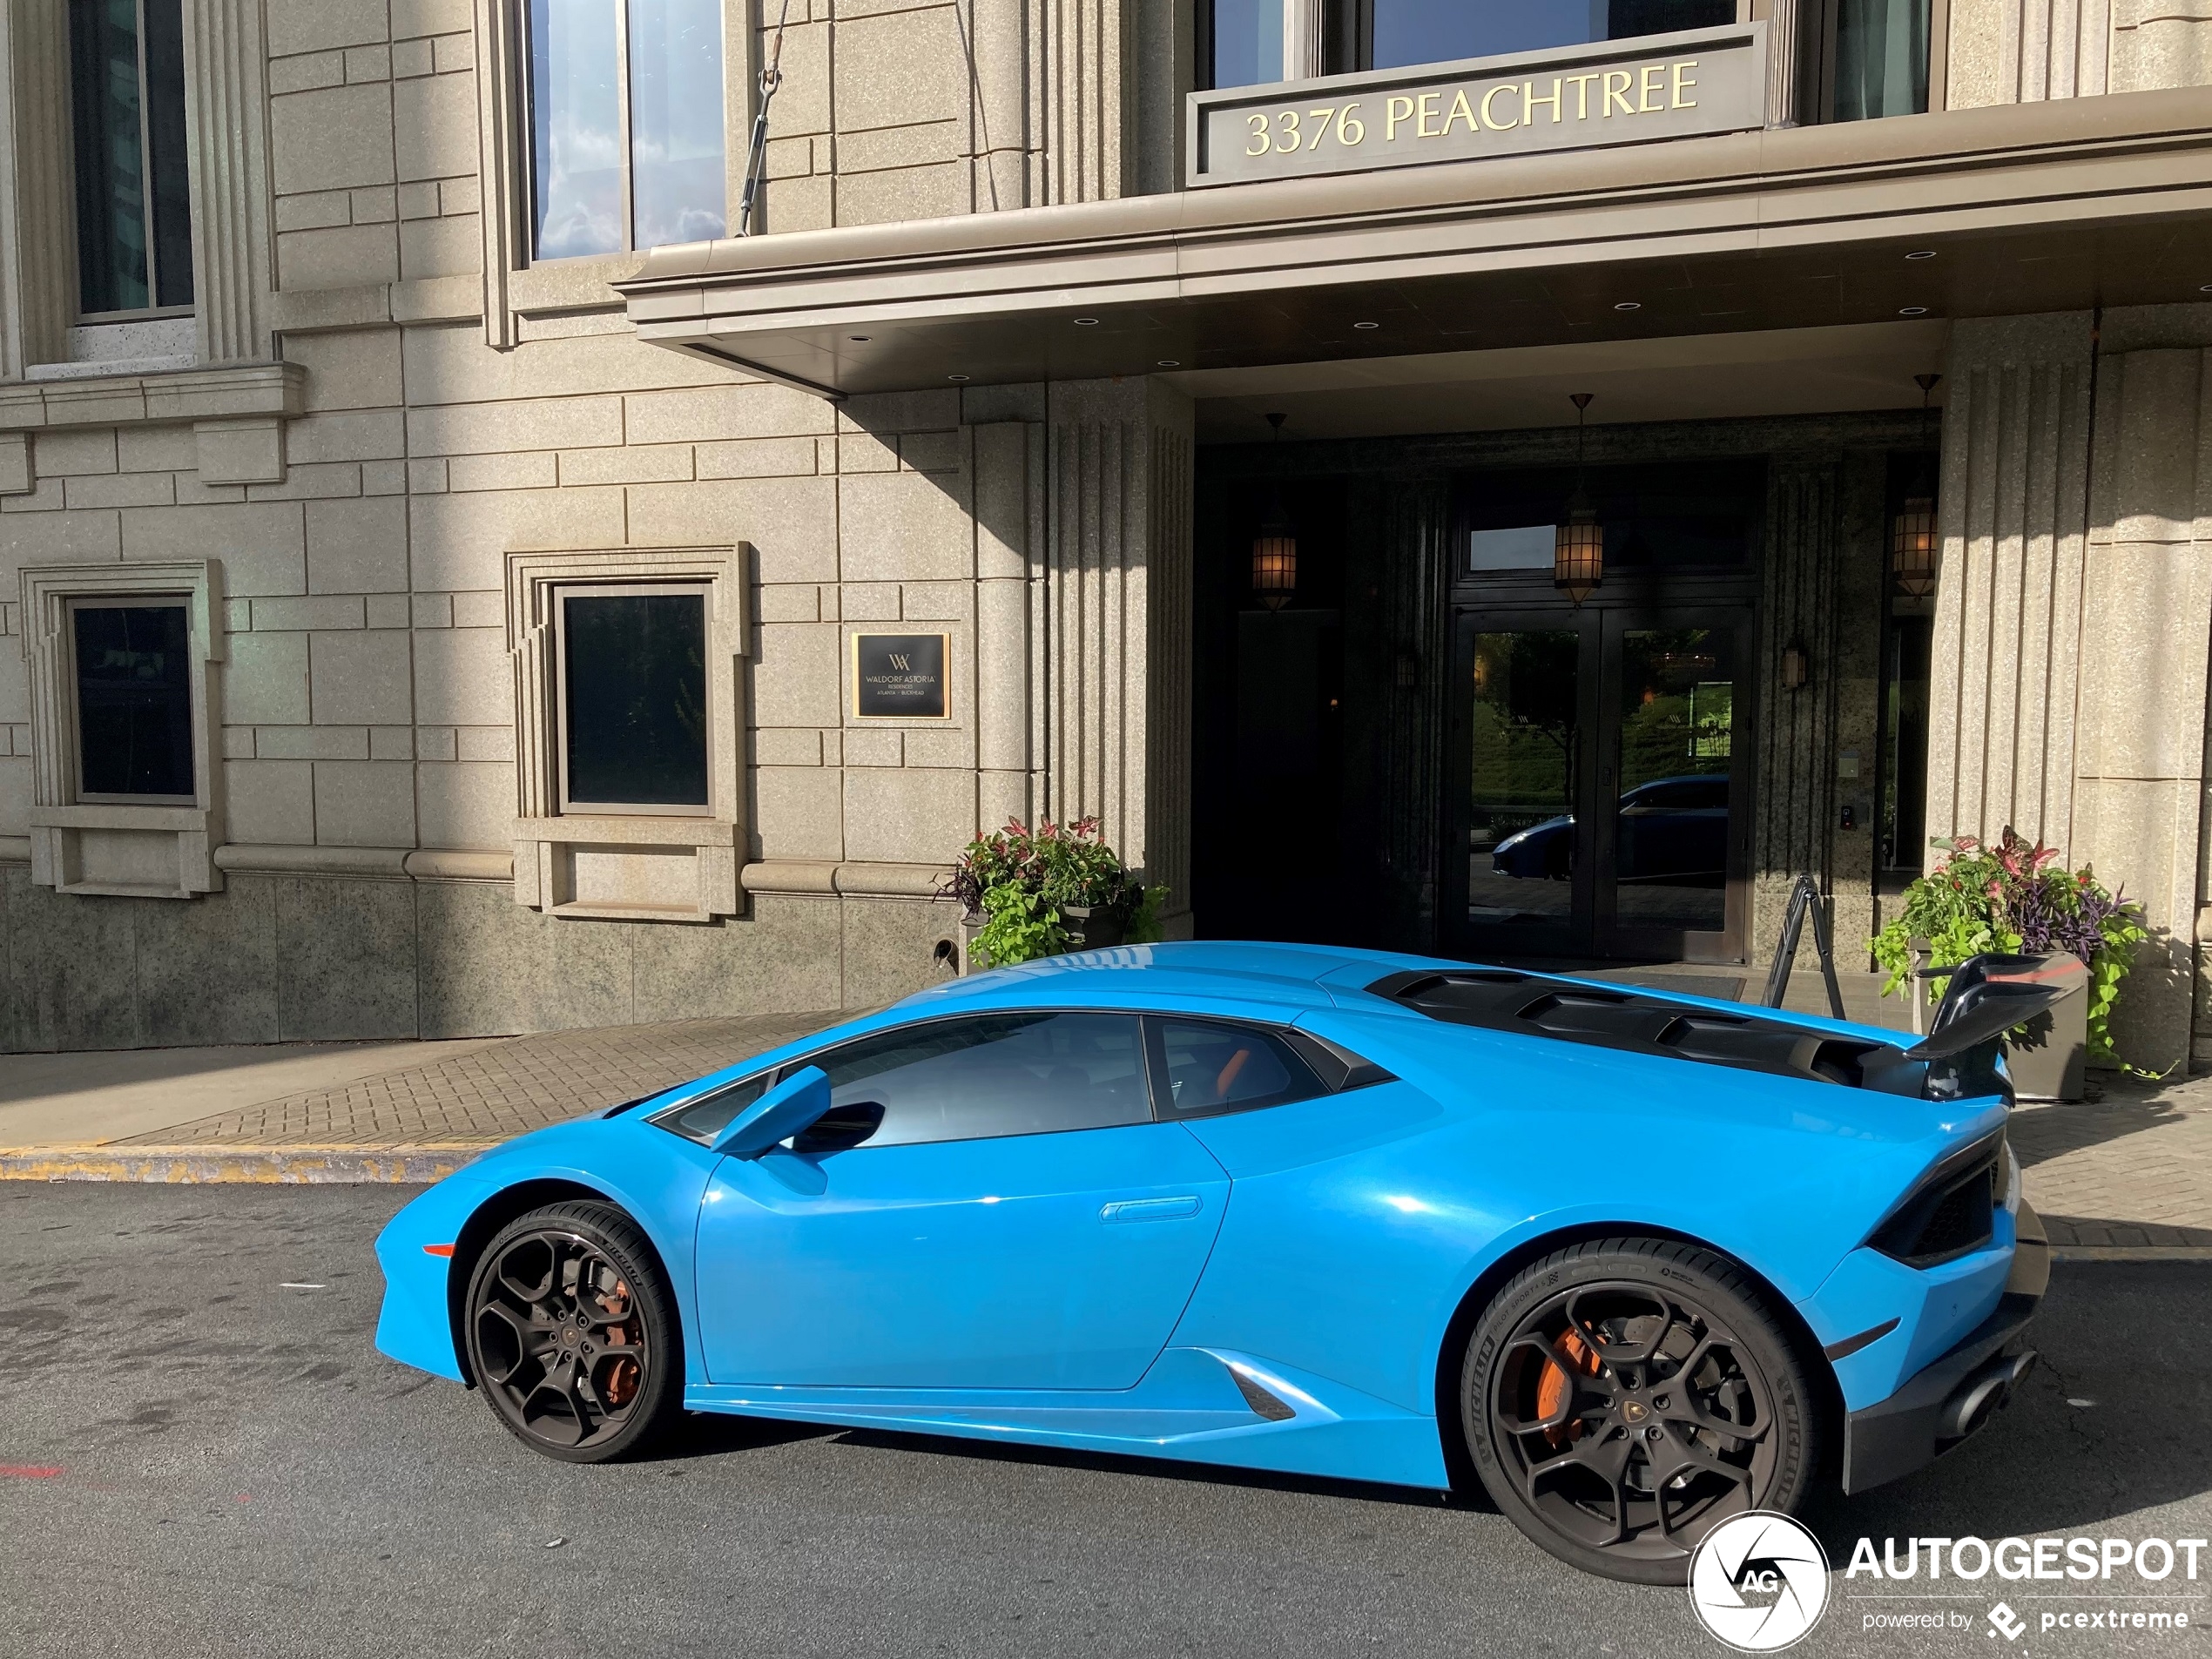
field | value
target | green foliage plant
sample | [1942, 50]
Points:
[1021, 882]
[2014, 897]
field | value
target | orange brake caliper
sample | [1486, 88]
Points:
[1554, 1389]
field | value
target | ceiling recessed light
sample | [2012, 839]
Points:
[1921, 253]
[1168, 362]
[858, 340]
[1629, 305]
[1086, 322]
[1913, 311]
[955, 377]
[1367, 324]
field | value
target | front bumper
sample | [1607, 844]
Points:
[1952, 1396]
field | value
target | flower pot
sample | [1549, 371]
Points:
[1089, 928]
[970, 962]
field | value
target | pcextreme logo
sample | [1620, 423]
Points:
[1759, 1581]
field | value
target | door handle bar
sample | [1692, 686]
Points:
[1152, 1208]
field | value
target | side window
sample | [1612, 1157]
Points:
[707, 1117]
[997, 1074]
[1205, 1066]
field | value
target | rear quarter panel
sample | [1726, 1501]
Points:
[1358, 1223]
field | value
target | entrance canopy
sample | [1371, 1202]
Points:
[2005, 211]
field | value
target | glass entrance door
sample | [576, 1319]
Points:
[1601, 783]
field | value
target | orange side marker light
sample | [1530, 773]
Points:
[437, 1249]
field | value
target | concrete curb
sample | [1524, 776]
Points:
[263, 1165]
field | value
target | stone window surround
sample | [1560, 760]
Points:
[128, 835]
[515, 288]
[226, 109]
[547, 840]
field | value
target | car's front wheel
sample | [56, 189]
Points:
[572, 1334]
[1621, 1398]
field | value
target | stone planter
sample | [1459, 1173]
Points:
[2048, 1059]
[1090, 929]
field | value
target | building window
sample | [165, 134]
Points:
[1247, 39]
[133, 202]
[1881, 58]
[634, 732]
[131, 669]
[626, 124]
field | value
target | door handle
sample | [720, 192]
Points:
[1152, 1208]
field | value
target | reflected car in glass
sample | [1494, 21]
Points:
[1284, 1207]
[1671, 829]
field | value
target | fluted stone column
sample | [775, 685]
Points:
[1083, 619]
[225, 102]
[2073, 618]
[37, 218]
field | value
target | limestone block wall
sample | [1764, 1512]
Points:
[441, 406]
[2020, 51]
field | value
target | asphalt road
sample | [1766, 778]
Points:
[198, 1456]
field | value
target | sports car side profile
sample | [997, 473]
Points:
[1635, 1262]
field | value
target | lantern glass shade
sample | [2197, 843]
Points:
[1274, 566]
[1913, 548]
[1578, 554]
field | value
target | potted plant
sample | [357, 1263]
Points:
[2015, 897]
[1031, 893]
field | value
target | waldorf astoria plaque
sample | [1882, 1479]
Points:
[1689, 84]
[899, 676]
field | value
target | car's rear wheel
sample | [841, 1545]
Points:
[572, 1335]
[1621, 1398]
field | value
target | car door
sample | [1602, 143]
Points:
[990, 1205]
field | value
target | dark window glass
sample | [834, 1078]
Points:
[636, 673]
[1247, 42]
[133, 211]
[133, 700]
[1008, 1074]
[1207, 1068]
[1435, 31]
[1881, 58]
[707, 1117]
[165, 149]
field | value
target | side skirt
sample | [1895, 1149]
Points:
[1195, 1405]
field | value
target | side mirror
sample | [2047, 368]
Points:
[791, 1106]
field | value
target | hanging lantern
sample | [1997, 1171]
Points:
[1275, 560]
[1913, 548]
[1275, 548]
[1578, 552]
[1578, 547]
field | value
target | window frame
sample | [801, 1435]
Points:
[159, 309]
[74, 715]
[562, 593]
[526, 130]
[76, 842]
[1319, 1058]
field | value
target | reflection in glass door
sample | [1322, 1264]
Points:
[1673, 815]
[1602, 783]
[1523, 750]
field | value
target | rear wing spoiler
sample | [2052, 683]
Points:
[1988, 996]
[1992, 994]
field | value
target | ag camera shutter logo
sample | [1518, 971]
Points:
[1759, 1581]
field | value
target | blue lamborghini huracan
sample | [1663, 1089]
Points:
[1634, 1261]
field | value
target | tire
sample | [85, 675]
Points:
[1622, 1397]
[572, 1333]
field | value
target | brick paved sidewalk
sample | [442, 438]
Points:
[492, 1093]
[2131, 1169]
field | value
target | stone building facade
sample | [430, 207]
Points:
[993, 367]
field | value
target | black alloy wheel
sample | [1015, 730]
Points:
[571, 1335]
[1623, 1396]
